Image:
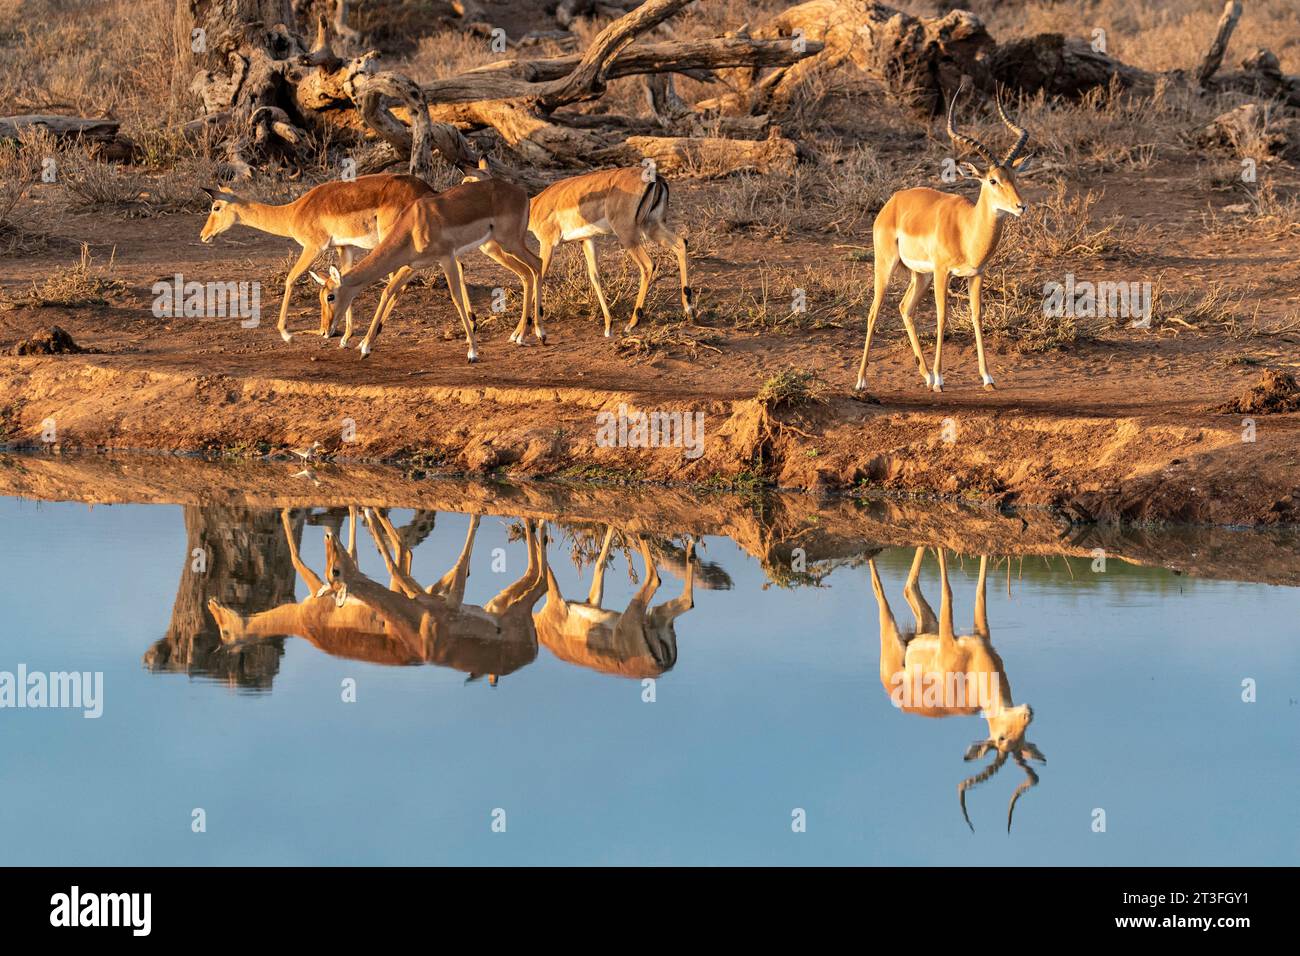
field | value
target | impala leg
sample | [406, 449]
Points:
[593, 273]
[884, 272]
[671, 610]
[527, 270]
[647, 267]
[893, 652]
[645, 594]
[976, 287]
[387, 302]
[670, 240]
[941, 306]
[309, 577]
[533, 276]
[304, 262]
[945, 599]
[926, 622]
[452, 584]
[597, 592]
[451, 269]
[981, 608]
[915, 289]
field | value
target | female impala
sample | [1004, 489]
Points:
[348, 215]
[934, 672]
[438, 230]
[618, 202]
[940, 235]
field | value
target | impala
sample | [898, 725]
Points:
[347, 614]
[350, 216]
[937, 235]
[639, 641]
[494, 639]
[618, 202]
[437, 230]
[933, 672]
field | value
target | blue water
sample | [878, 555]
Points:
[775, 705]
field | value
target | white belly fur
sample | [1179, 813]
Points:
[575, 228]
[487, 234]
[368, 241]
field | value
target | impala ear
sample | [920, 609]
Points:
[969, 171]
[334, 274]
[212, 193]
[1020, 165]
[318, 279]
[978, 749]
[1031, 752]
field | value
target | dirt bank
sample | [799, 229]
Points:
[829, 530]
[1124, 426]
[1157, 462]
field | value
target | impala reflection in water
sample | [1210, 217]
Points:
[633, 683]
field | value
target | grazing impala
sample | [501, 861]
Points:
[350, 615]
[938, 235]
[936, 673]
[618, 202]
[499, 636]
[637, 642]
[438, 230]
[350, 216]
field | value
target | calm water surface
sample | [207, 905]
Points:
[640, 731]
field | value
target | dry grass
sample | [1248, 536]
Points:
[670, 338]
[838, 194]
[1064, 226]
[82, 284]
[1269, 215]
[793, 388]
[1157, 34]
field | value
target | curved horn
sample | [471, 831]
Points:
[961, 139]
[1020, 131]
[1031, 779]
[980, 777]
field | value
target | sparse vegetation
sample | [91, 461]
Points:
[793, 388]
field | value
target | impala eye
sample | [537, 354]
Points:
[993, 182]
[330, 297]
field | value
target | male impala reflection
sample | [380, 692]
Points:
[348, 614]
[934, 672]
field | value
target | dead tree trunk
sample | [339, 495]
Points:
[261, 83]
[240, 558]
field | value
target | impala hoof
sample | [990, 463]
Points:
[472, 357]
[343, 342]
[859, 386]
[929, 382]
[365, 348]
[988, 383]
[286, 335]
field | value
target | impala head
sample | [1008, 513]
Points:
[329, 292]
[339, 568]
[1006, 739]
[229, 623]
[998, 186]
[223, 215]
